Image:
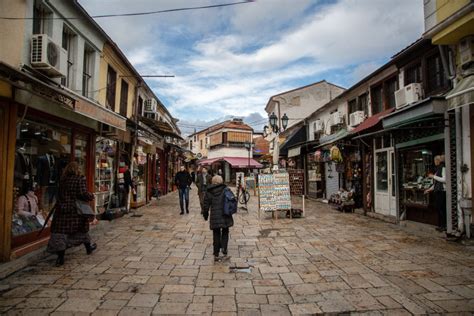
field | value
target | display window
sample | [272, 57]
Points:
[42, 151]
[139, 177]
[105, 170]
[315, 176]
[416, 164]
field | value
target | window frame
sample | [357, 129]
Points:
[111, 89]
[123, 104]
[69, 44]
[87, 70]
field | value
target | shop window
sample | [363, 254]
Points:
[413, 74]
[123, 98]
[80, 151]
[391, 86]
[87, 69]
[69, 43]
[105, 170]
[111, 86]
[42, 152]
[377, 100]
[435, 75]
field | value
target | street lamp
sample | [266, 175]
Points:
[277, 129]
[248, 146]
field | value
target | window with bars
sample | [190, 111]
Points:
[413, 74]
[377, 99]
[436, 78]
[41, 19]
[352, 104]
[68, 43]
[123, 98]
[111, 88]
[362, 103]
[390, 86]
[87, 69]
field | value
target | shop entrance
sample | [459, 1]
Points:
[385, 198]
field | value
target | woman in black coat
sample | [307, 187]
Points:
[218, 222]
[68, 228]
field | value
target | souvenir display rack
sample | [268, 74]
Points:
[274, 192]
[104, 174]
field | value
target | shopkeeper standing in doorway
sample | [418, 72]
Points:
[439, 191]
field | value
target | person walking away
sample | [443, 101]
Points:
[183, 180]
[193, 176]
[69, 228]
[203, 180]
[439, 191]
[219, 222]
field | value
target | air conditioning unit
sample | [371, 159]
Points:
[150, 105]
[318, 126]
[336, 118]
[408, 95]
[356, 118]
[466, 51]
[47, 56]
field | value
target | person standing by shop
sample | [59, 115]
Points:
[68, 228]
[218, 221]
[439, 191]
[182, 180]
[203, 180]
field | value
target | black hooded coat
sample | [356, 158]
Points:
[214, 202]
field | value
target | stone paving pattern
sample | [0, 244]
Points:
[328, 262]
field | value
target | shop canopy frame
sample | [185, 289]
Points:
[161, 128]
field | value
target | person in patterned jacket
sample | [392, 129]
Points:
[68, 228]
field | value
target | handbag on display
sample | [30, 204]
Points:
[84, 209]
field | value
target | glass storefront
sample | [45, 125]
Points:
[415, 165]
[315, 175]
[42, 152]
[43, 149]
[105, 170]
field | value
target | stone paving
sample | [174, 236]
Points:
[328, 262]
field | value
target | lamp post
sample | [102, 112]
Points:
[276, 128]
[248, 146]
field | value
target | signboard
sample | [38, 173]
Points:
[100, 114]
[274, 192]
[296, 181]
[250, 183]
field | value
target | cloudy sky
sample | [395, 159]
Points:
[230, 60]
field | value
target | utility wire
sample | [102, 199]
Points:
[134, 14]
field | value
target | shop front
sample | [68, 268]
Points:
[315, 168]
[417, 138]
[45, 132]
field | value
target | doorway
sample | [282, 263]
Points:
[385, 193]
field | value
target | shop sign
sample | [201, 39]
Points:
[293, 152]
[100, 114]
[54, 95]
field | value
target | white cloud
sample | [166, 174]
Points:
[231, 60]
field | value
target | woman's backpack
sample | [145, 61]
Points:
[230, 202]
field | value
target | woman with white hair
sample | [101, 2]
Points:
[218, 221]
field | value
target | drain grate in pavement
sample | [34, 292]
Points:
[240, 269]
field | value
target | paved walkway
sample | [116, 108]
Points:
[161, 263]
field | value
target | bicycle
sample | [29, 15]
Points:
[243, 196]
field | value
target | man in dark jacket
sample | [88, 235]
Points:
[218, 222]
[183, 180]
[203, 180]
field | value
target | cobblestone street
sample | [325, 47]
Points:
[162, 263]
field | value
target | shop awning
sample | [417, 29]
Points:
[371, 121]
[207, 162]
[462, 94]
[297, 137]
[239, 162]
[329, 139]
[412, 113]
[161, 128]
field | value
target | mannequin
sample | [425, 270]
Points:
[23, 170]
